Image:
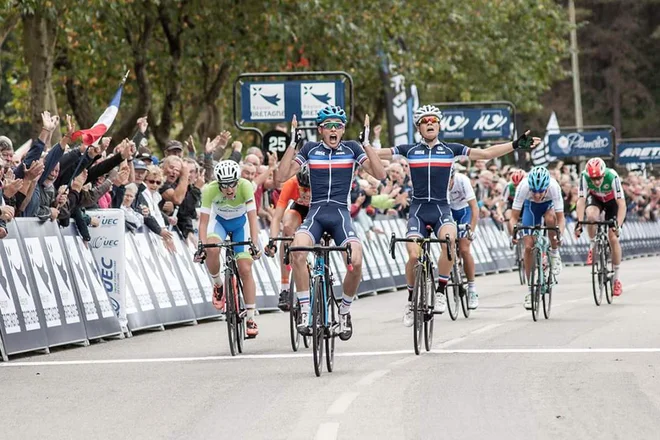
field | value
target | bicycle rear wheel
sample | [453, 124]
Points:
[453, 292]
[536, 282]
[329, 331]
[429, 317]
[608, 274]
[230, 313]
[596, 276]
[317, 326]
[521, 264]
[294, 318]
[240, 317]
[418, 308]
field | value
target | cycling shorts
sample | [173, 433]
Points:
[238, 227]
[333, 219]
[431, 214]
[610, 208]
[300, 210]
[462, 217]
[532, 213]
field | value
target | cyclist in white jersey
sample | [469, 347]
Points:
[465, 211]
[539, 198]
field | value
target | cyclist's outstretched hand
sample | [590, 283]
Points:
[578, 230]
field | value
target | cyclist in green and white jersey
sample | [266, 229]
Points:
[601, 188]
[509, 194]
[228, 206]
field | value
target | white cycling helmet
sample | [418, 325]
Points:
[227, 171]
[426, 110]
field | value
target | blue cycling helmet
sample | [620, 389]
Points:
[331, 111]
[538, 179]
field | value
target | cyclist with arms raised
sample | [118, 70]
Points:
[601, 188]
[295, 189]
[539, 198]
[331, 165]
[465, 211]
[430, 163]
[228, 207]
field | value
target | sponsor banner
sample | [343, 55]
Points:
[475, 123]
[585, 143]
[99, 318]
[22, 327]
[108, 248]
[278, 101]
[637, 152]
[401, 100]
[141, 310]
[180, 310]
[267, 273]
[51, 278]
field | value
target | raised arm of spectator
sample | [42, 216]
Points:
[141, 133]
[372, 164]
[123, 152]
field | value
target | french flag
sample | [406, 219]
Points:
[91, 135]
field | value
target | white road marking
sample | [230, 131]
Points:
[405, 360]
[372, 377]
[485, 329]
[342, 403]
[450, 342]
[327, 431]
[354, 354]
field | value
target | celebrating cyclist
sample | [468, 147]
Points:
[465, 211]
[228, 207]
[430, 163]
[295, 190]
[509, 194]
[331, 166]
[602, 189]
[539, 198]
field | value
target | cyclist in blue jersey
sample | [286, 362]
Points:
[331, 165]
[430, 165]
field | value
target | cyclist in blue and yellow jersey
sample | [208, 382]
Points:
[430, 164]
[601, 191]
[539, 198]
[332, 162]
[228, 207]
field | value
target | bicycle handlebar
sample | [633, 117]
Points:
[611, 222]
[318, 249]
[419, 240]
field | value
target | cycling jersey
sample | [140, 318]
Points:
[291, 190]
[460, 193]
[552, 194]
[430, 168]
[610, 188]
[229, 216]
[331, 170]
[509, 192]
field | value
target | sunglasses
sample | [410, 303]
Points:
[331, 125]
[538, 192]
[228, 185]
[429, 120]
[157, 182]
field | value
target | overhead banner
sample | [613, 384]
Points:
[584, 143]
[638, 152]
[278, 101]
[475, 123]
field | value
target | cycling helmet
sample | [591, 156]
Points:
[517, 176]
[331, 111]
[303, 177]
[227, 171]
[538, 179]
[426, 110]
[596, 168]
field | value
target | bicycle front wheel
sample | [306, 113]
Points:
[452, 290]
[536, 283]
[419, 308]
[329, 331]
[429, 317]
[521, 264]
[547, 291]
[317, 326]
[596, 276]
[231, 313]
[294, 317]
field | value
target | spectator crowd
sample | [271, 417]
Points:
[63, 182]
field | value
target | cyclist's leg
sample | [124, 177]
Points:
[611, 210]
[445, 226]
[308, 233]
[551, 221]
[215, 234]
[290, 222]
[530, 217]
[507, 217]
[241, 232]
[416, 229]
[594, 208]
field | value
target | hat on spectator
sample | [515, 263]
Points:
[139, 165]
[173, 145]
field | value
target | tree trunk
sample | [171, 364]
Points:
[39, 37]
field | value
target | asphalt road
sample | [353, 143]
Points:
[588, 372]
